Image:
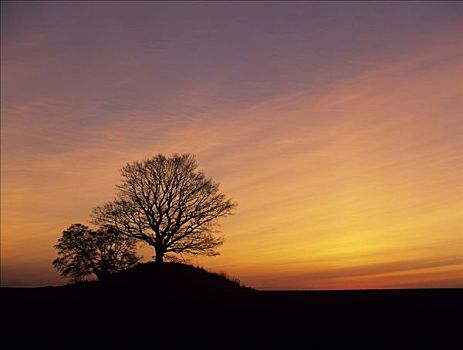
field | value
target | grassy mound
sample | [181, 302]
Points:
[171, 278]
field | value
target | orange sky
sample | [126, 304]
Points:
[340, 137]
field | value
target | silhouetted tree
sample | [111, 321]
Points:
[82, 252]
[169, 204]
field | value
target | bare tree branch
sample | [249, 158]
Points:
[169, 204]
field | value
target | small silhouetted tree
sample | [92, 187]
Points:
[83, 251]
[169, 204]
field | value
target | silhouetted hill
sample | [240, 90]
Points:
[184, 307]
[172, 278]
[145, 279]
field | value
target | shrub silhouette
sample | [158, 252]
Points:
[83, 252]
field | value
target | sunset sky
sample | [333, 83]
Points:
[335, 126]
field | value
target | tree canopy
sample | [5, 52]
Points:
[83, 252]
[169, 204]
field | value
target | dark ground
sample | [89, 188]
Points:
[187, 308]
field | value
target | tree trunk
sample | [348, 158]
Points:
[101, 275]
[159, 258]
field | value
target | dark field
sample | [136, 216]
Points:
[178, 306]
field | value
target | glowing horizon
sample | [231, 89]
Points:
[336, 128]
